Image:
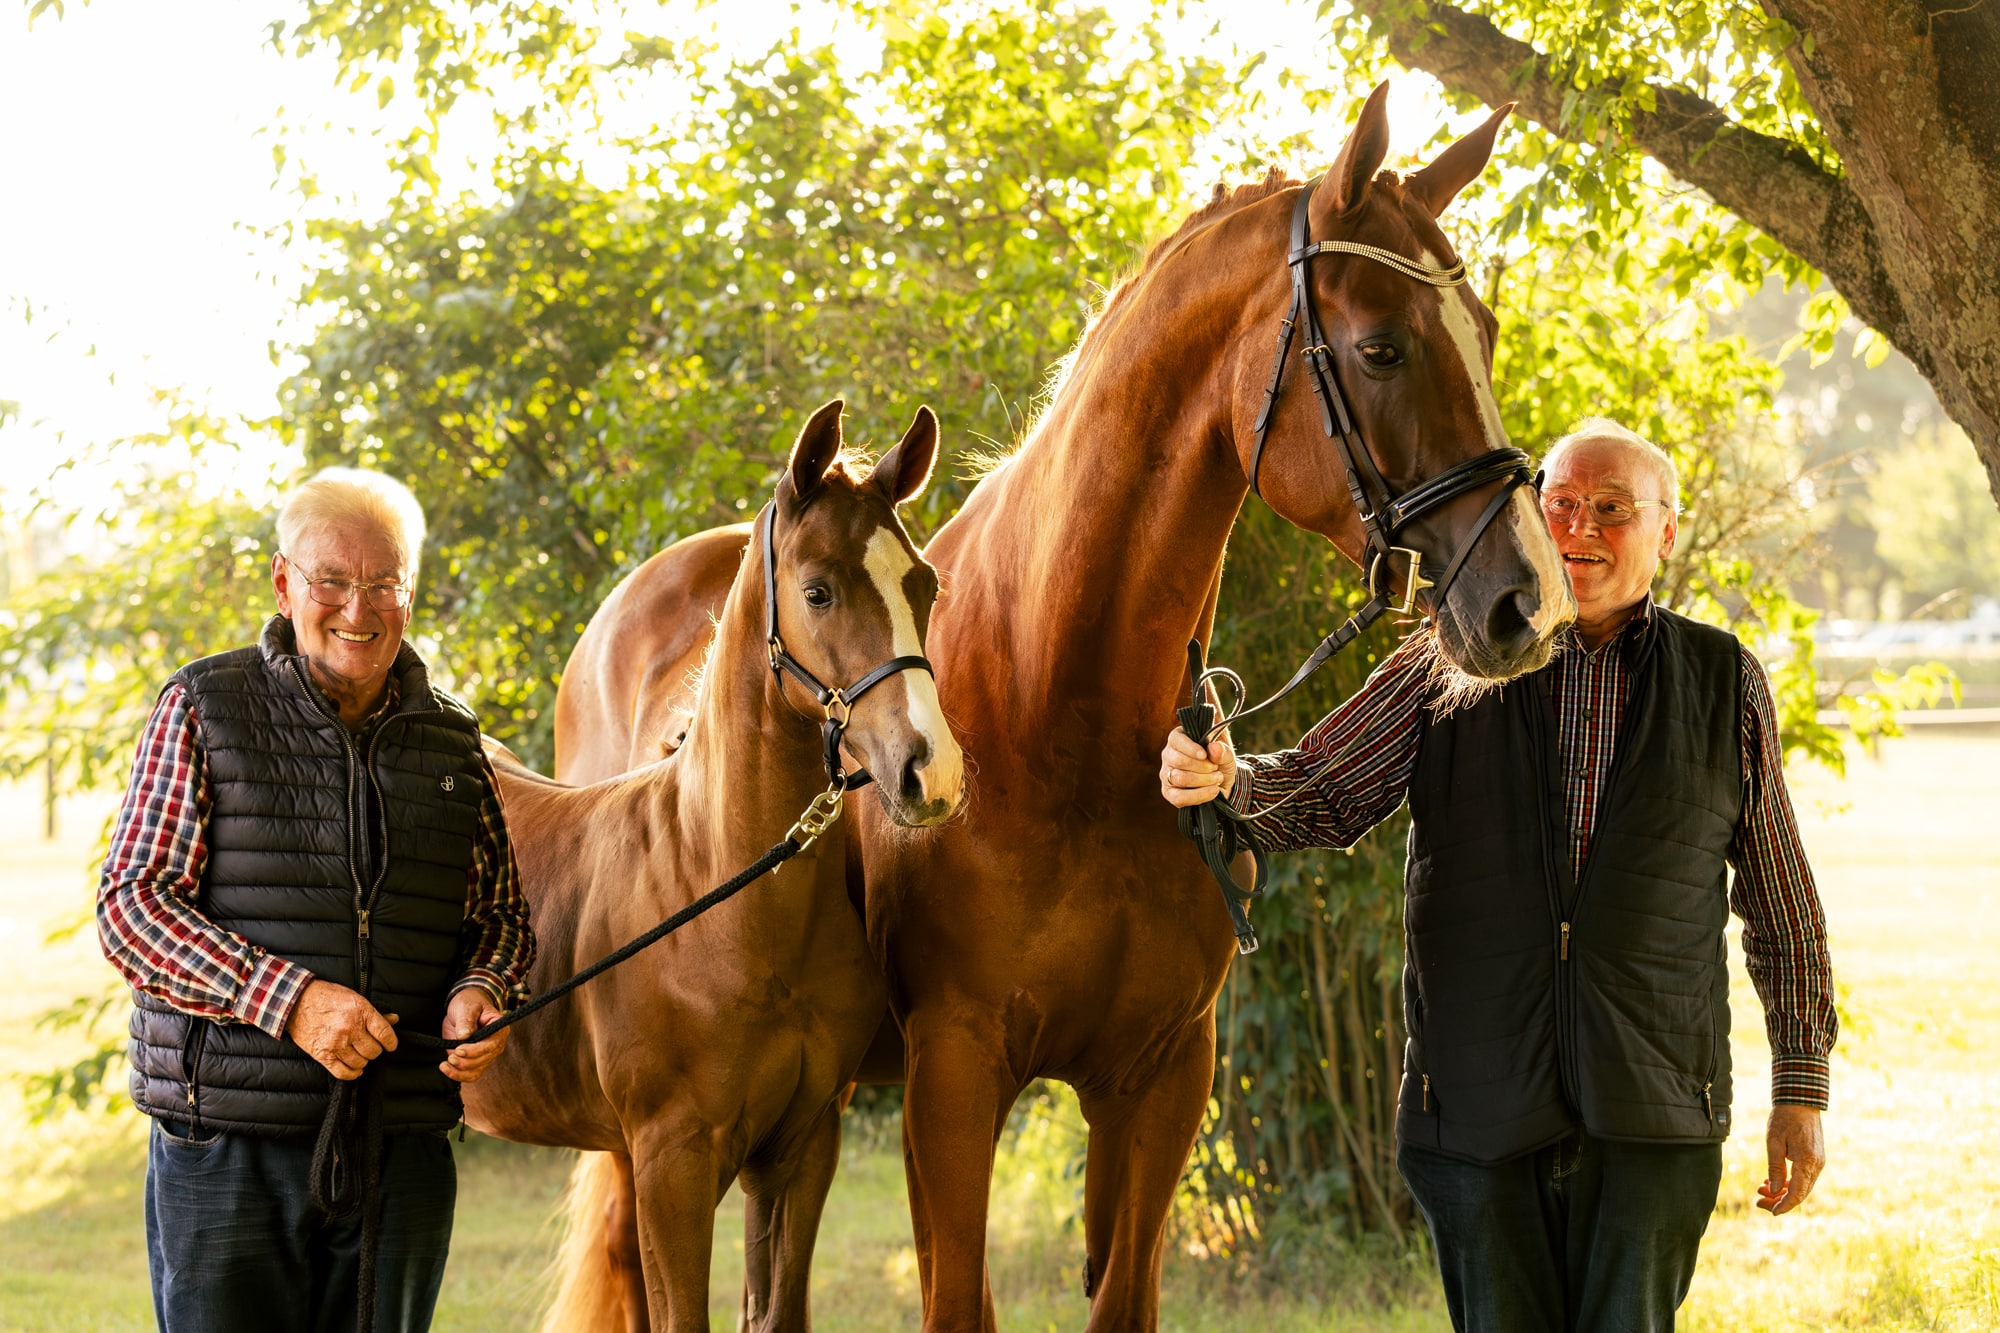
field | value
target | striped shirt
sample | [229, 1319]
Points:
[154, 933]
[1353, 770]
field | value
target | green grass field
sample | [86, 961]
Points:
[1902, 1233]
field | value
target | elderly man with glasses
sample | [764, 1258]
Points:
[310, 859]
[1566, 1084]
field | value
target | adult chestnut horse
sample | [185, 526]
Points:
[1064, 929]
[725, 1048]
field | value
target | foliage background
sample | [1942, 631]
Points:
[599, 338]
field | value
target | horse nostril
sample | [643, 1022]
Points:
[1510, 624]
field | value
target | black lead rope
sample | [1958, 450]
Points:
[347, 1157]
[1220, 831]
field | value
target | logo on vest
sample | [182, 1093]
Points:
[446, 784]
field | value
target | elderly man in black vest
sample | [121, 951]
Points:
[1566, 1082]
[310, 857]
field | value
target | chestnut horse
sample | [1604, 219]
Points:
[1064, 930]
[725, 1049]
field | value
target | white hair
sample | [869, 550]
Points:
[347, 495]
[1604, 428]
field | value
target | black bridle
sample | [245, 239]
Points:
[835, 703]
[1383, 516]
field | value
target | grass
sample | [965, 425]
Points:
[1901, 1234]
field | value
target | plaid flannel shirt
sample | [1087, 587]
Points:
[154, 933]
[1375, 734]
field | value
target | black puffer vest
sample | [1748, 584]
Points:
[288, 869]
[1537, 1003]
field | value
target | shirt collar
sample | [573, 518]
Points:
[1631, 635]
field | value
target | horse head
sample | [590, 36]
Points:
[1413, 360]
[853, 595]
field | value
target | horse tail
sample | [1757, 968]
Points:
[590, 1292]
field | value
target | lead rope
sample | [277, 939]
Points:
[347, 1156]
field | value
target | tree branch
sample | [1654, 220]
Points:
[1771, 183]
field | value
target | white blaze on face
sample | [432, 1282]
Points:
[888, 562]
[1455, 307]
[1531, 530]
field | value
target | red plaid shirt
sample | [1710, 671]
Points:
[156, 936]
[1375, 733]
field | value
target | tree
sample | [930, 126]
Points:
[1861, 136]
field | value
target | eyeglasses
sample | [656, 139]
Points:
[336, 592]
[1606, 511]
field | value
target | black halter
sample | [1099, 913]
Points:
[1383, 516]
[837, 704]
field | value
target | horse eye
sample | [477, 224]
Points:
[817, 596]
[1380, 355]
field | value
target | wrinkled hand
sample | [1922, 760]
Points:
[339, 1028]
[1794, 1136]
[1190, 775]
[469, 1010]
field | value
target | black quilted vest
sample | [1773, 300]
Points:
[1537, 1002]
[288, 870]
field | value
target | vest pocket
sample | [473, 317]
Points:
[191, 1051]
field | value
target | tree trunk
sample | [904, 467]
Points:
[1907, 230]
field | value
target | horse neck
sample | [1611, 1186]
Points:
[751, 761]
[1096, 552]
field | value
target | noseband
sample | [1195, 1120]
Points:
[837, 704]
[1383, 516]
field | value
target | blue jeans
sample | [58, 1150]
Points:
[235, 1242]
[1585, 1236]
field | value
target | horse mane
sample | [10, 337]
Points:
[1223, 200]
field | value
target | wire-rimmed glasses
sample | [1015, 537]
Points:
[337, 592]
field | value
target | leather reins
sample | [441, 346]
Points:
[835, 703]
[1214, 826]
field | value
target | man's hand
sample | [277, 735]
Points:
[1190, 775]
[469, 1010]
[339, 1028]
[1794, 1136]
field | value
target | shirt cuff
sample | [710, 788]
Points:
[1799, 1080]
[490, 982]
[271, 992]
[1239, 791]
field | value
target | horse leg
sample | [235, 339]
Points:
[783, 1199]
[954, 1107]
[621, 1242]
[678, 1177]
[1139, 1145]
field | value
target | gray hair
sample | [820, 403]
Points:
[1604, 428]
[347, 494]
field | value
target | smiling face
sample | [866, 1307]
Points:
[1610, 569]
[349, 647]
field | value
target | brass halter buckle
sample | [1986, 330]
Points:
[819, 816]
[834, 699]
[1417, 582]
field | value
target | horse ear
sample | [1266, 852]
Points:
[1360, 158]
[902, 472]
[817, 446]
[1436, 185]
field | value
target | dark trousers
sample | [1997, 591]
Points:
[235, 1242]
[1586, 1236]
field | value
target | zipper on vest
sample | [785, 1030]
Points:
[1708, 1101]
[357, 817]
[1427, 1092]
[1565, 941]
